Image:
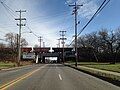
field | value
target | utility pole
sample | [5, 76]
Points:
[63, 38]
[59, 50]
[43, 44]
[75, 12]
[19, 38]
[58, 43]
[17, 49]
[40, 39]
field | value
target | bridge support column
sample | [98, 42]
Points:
[36, 59]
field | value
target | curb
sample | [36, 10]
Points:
[98, 75]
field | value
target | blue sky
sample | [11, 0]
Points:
[47, 17]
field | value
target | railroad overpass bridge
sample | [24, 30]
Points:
[44, 56]
[44, 53]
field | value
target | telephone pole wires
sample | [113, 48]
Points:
[63, 42]
[19, 38]
[75, 12]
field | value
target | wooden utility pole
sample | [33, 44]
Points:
[19, 38]
[58, 43]
[40, 39]
[63, 42]
[75, 12]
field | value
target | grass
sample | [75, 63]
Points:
[103, 66]
[6, 65]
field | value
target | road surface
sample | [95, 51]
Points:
[50, 77]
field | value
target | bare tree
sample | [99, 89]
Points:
[23, 42]
[12, 39]
[89, 40]
[104, 42]
[118, 38]
[2, 45]
[81, 41]
[36, 46]
[109, 39]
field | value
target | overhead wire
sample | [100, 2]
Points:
[13, 14]
[31, 30]
[102, 6]
[47, 21]
[9, 10]
[96, 13]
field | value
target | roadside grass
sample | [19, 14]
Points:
[103, 66]
[6, 65]
[115, 79]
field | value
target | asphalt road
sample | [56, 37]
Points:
[50, 77]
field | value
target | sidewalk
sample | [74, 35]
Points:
[99, 70]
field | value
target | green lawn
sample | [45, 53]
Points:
[104, 66]
[6, 65]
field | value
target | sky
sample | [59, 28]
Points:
[47, 17]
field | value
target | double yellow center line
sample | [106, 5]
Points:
[7, 85]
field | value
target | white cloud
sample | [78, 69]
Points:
[38, 20]
[48, 33]
[47, 30]
[70, 1]
[88, 9]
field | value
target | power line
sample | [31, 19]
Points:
[96, 13]
[9, 10]
[31, 31]
[102, 6]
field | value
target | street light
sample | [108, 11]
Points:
[26, 32]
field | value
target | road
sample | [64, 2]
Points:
[50, 77]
